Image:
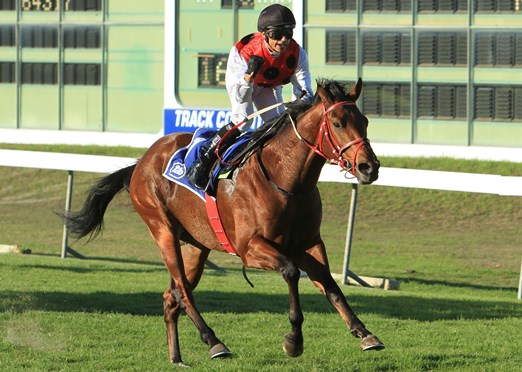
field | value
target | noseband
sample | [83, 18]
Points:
[337, 150]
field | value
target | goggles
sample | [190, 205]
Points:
[279, 32]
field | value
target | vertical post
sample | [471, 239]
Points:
[68, 199]
[349, 232]
[520, 283]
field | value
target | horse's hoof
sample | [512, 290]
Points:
[292, 347]
[371, 342]
[219, 351]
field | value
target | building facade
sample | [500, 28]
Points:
[89, 65]
[443, 72]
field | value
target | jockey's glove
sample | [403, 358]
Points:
[254, 65]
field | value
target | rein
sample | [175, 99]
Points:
[249, 117]
[324, 132]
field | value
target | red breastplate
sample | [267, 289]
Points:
[275, 71]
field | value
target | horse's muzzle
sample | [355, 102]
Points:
[367, 172]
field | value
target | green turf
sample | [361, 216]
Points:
[456, 254]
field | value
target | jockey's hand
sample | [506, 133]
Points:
[254, 65]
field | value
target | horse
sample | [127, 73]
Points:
[270, 209]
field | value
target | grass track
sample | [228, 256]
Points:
[457, 256]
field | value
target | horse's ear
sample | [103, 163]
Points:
[356, 90]
[325, 96]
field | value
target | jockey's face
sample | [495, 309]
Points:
[278, 39]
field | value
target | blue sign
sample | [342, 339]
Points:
[188, 120]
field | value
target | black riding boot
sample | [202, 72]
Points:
[198, 173]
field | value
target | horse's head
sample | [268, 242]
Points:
[345, 129]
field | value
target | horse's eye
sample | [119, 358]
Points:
[336, 124]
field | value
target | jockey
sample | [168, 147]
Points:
[257, 67]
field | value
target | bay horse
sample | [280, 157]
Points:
[270, 208]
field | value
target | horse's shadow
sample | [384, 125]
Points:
[150, 303]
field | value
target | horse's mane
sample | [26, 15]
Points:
[339, 91]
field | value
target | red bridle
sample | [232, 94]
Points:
[337, 150]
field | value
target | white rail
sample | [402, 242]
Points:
[398, 177]
[66, 162]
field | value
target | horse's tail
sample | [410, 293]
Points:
[89, 220]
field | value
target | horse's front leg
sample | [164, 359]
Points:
[262, 255]
[293, 343]
[315, 263]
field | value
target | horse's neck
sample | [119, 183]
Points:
[293, 165]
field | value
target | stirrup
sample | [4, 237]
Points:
[197, 173]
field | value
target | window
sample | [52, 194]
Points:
[7, 5]
[81, 74]
[390, 48]
[212, 69]
[442, 48]
[493, 6]
[7, 36]
[245, 4]
[39, 37]
[84, 5]
[442, 101]
[386, 100]
[82, 37]
[340, 6]
[39, 73]
[498, 103]
[7, 72]
[498, 48]
[386, 5]
[442, 6]
[340, 47]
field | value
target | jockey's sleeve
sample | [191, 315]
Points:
[238, 89]
[302, 79]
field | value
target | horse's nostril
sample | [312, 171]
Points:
[364, 168]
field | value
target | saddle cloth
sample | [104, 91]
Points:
[182, 159]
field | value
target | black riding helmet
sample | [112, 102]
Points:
[275, 15]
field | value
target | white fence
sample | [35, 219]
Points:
[425, 179]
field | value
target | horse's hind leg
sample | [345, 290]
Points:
[171, 311]
[170, 249]
[315, 264]
[194, 264]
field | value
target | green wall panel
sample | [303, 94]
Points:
[384, 19]
[136, 10]
[130, 111]
[82, 108]
[8, 17]
[386, 73]
[442, 132]
[8, 106]
[39, 107]
[135, 79]
[389, 130]
[498, 75]
[442, 74]
[497, 134]
[443, 20]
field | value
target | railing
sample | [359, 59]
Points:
[66, 162]
[423, 179]
[398, 177]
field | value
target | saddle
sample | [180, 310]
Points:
[182, 159]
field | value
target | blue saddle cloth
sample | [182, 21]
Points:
[182, 159]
